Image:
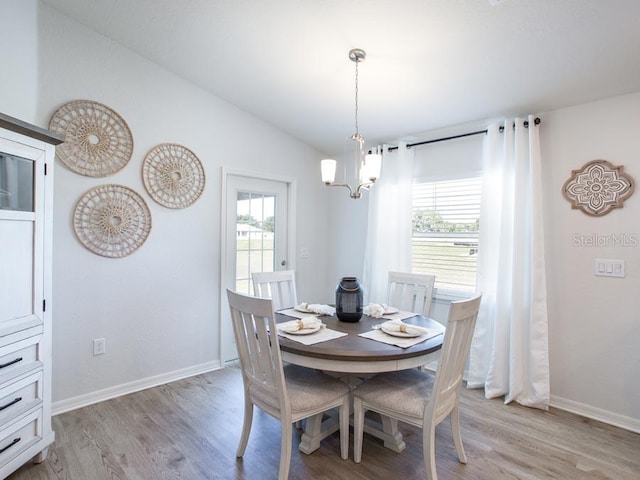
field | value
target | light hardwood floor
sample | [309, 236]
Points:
[190, 429]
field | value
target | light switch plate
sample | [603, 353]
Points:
[604, 267]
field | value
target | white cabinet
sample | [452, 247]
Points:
[26, 195]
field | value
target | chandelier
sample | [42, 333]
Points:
[366, 165]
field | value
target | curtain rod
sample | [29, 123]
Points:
[478, 132]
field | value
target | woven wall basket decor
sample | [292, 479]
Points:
[112, 221]
[173, 175]
[598, 187]
[97, 141]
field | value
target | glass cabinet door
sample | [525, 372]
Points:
[20, 236]
[16, 183]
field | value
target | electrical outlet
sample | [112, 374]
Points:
[99, 346]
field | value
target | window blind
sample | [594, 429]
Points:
[445, 231]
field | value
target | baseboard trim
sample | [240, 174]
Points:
[594, 413]
[112, 392]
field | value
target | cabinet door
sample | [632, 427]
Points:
[21, 234]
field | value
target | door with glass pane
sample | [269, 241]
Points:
[256, 239]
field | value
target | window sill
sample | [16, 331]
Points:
[448, 296]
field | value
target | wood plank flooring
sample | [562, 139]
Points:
[190, 429]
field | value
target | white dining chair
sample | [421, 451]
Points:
[290, 393]
[279, 286]
[421, 398]
[411, 292]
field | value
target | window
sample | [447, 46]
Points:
[255, 247]
[445, 231]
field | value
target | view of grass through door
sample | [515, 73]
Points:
[255, 230]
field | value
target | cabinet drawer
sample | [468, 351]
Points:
[12, 331]
[20, 396]
[20, 435]
[19, 357]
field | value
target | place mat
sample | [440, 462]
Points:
[292, 312]
[399, 315]
[323, 335]
[379, 336]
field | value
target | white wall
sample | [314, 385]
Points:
[19, 55]
[157, 308]
[594, 322]
[348, 227]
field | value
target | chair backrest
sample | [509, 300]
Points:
[455, 350]
[411, 292]
[279, 286]
[259, 352]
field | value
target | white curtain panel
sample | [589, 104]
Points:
[510, 353]
[388, 245]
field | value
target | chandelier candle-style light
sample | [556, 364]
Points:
[367, 165]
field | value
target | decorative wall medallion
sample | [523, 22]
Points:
[112, 221]
[598, 187]
[97, 141]
[173, 175]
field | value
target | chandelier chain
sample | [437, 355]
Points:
[356, 99]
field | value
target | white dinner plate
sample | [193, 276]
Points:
[303, 331]
[397, 333]
[390, 310]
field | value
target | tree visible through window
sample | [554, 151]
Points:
[445, 231]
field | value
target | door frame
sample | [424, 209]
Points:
[223, 310]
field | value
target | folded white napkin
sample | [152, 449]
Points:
[318, 308]
[400, 326]
[295, 325]
[375, 310]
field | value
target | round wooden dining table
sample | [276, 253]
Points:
[354, 354]
[353, 358]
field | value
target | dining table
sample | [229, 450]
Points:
[354, 351]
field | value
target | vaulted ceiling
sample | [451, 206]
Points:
[430, 64]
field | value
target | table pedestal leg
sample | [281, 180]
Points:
[316, 429]
[389, 432]
[319, 427]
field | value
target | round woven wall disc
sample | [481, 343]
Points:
[112, 221]
[97, 141]
[173, 175]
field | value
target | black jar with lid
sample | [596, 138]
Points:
[349, 300]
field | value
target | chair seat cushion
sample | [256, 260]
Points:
[308, 389]
[404, 391]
